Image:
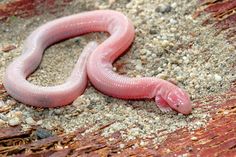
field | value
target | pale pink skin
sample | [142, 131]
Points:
[95, 61]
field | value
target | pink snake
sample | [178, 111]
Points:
[95, 63]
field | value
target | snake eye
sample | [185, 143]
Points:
[177, 106]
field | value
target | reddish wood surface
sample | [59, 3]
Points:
[27, 8]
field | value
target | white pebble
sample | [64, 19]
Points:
[122, 146]
[217, 77]
[30, 121]
[138, 67]
[154, 55]
[2, 103]
[14, 121]
[173, 21]
[194, 138]
[174, 5]
[10, 102]
[142, 143]
[148, 53]
[159, 69]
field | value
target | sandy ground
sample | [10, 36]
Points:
[169, 44]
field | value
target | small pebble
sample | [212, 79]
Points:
[18, 114]
[217, 77]
[2, 122]
[30, 121]
[148, 53]
[138, 67]
[10, 102]
[183, 155]
[194, 138]
[163, 8]
[2, 104]
[165, 43]
[58, 111]
[8, 48]
[153, 31]
[122, 145]
[173, 21]
[154, 55]
[43, 133]
[174, 5]
[3, 117]
[163, 76]
[226, 112]
[14, 121]
[143, 143]
[40, 122]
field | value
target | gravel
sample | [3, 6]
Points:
[169, 44]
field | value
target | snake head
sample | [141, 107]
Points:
[179, 100]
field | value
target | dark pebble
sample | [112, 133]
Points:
[43, 133]
[163, 8]
[153, 31]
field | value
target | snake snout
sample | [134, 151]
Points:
[180, 101]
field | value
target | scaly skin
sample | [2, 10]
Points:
[95, 61]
